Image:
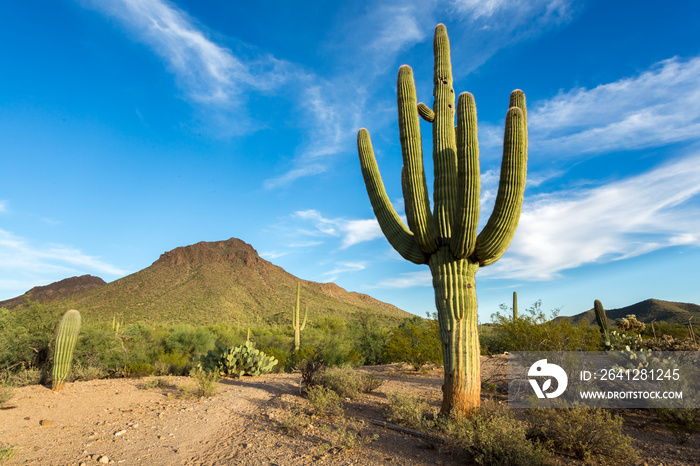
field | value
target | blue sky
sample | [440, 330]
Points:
[129, 128]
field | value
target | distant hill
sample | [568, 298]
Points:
[57, 290]
[222, 281]
[646, 311]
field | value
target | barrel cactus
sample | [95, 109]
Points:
[66, 339]
[446, 239]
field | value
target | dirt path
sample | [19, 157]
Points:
[116, 422]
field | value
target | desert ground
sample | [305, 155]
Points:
[117, 421]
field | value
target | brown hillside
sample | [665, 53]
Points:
[646, 311]
[222, 281]
[61, 289]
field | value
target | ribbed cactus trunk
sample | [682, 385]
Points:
[515, 305]
[446, 239]
[295, 320]
[66, 339]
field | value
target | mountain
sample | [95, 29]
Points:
[222, 281]
[57, 290]
[646, 311]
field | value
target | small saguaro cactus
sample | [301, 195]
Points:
[66, 339]
[295, 320]
[515, 305]
[446, 239]
[602, 320]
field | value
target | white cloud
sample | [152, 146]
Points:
[616, 221]
[208, 74]
[407, 280]
[3, 206]
[655, 108]
[28, 265]
[343, 267]
[519, 11]
[350, 231]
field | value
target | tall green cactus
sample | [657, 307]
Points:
[295, 320]
[602, 320]
[515, 305]
[66, 339]
[446, 239]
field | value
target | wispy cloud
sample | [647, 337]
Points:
[406, 280]
[207, 73]
[350, 231]
[45, 263]
[343, 267]
[616, 221]
[653, 109]
[3, 206]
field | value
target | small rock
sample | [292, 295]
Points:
[121, 432]
[45, 422]
[103, 459]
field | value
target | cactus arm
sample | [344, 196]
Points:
[398, 235]
[303, 325]
[426, 112]
[415, 190]
[515, 305]
[464, 232]
[444, 145]
[494, 239]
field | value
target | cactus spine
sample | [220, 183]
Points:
[66, 339]
[515, 305]
[446, 239]
[295, 320]
[602, 320]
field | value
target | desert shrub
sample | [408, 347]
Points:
[99, 347]
[310, 366]
[342, 380]
[156, 382]
[176, 363]
[6, 451]
[533, 331]
[370, 340]
[139, 369]
[669, 343]
[661, 328]
[279, 354]
[343, 436]
[370, 382]
[410, 411]
[205, 383]
[415, 341]
[24, 377]
[494, 437]
[26, 334]
[682, 422]
[585, 433]
[84, 373]
[7, 391]
[189, 340]
[630, 324]
[325, 401]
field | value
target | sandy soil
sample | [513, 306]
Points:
[117, 422]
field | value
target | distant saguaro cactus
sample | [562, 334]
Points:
[66, 339]
[602, 320]
[446, 239]
[295, 320]
[515, 305]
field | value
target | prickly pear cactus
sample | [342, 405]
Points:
[240, 360]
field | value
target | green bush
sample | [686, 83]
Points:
[370, 382]
[585, 433]
[7, 391]
[494, 437]
[410, 411]
[533, 331]
[682, 422]
[206, 383]
[342, 380]
[186, 339]
[325, 401]
[415, 341]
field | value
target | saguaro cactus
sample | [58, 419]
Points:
[446, 239]
[602, 320]
[515, 305]
[66, 339]
[295, 321]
